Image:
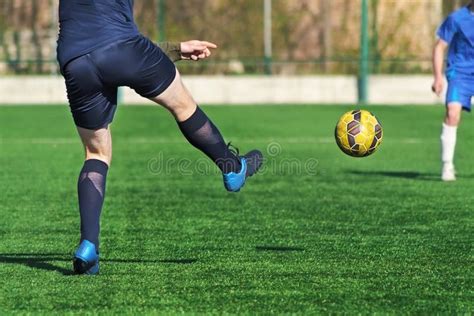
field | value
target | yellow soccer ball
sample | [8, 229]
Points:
[358, 133]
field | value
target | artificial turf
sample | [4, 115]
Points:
[316, 231]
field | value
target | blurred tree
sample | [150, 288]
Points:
[375, 54]
[35, 38]
[309, 36]
[451, 5]
[326, 33]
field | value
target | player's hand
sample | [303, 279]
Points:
[196, 50]
[438, 86]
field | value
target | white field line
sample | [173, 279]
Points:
[161, 140]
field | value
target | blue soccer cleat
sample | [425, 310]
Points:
[250, 164]
[86, 259]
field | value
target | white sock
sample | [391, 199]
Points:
[448, 143]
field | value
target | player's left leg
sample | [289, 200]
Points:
[458, 98]
[91, 193]
[448, 140]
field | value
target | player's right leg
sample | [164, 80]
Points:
[456, 98]
[141, 65]
[204, 135]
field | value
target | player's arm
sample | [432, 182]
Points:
[438, 63]
[171, 49]
[189, 50]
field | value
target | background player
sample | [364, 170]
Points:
[100, 49]
[457, 33]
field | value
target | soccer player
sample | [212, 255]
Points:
[100, 49]
[457, 33]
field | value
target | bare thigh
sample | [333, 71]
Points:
[177, 99]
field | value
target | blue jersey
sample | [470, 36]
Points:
[458, 31]
[86, 25]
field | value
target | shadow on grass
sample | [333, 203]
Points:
[42, 261]
[398, 174]
[278, 248]
[37, 261]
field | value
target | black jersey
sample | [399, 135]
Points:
[86, 25]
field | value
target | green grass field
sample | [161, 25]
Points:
[316, 232]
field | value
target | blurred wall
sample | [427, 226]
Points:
[244, 90]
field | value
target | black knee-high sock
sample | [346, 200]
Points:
[205, 136]
[91, 191]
